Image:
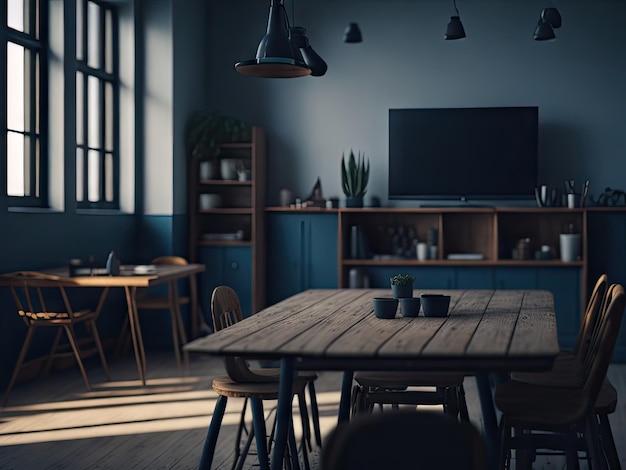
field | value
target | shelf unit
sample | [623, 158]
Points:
[238, 221]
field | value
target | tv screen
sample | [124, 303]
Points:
[463, 153]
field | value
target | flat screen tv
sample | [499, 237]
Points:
[463, 153]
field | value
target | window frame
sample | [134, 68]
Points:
[35, 41]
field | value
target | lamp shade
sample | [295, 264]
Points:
[275, 56]
[543, 31]
[551, 16]
[352, 33]
[455, 29]
[300, 42]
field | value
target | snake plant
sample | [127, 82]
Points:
[354, 175]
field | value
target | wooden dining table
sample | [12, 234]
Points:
[486, 331]
[131, 278]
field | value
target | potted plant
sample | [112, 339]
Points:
[205, 132]
[402, 285]
[354, 177]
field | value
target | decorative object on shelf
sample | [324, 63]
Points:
[549, 20]
[546, 197]
[316, 199]
[358, 243]
[570, 244]
[422, 251]
[228, 168]
[612, 197]
[455, 28]
[113, 264]
[354, 178]
[410, 306]
[204, 134]
[523, 249]
[352, 34]
[402, 285]
[545, 253]
[284, 51]
[285, 197]
[358, 279]
[209, 201]
[385, 307]
[435, 305]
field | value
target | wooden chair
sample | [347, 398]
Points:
[254, 385]
[569, 365]
[407, 439]
[552, 417]
[226, 311]
[147, 301]
[38, 297]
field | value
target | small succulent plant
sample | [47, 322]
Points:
[354, 175]
[402, 280]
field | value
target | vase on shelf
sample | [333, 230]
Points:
[354, 201]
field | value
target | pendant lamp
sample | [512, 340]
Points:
[352, 34]
[455, 28]
[549, 20]
[275, 56]
[300, 42]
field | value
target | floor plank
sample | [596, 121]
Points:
[53, 423]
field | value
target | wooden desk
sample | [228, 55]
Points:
[130, 282]
[486, 331]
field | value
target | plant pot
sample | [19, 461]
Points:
[570, 246]
[228, 168]
[209, 170]
[385, 307]
[402, 291]
[354, 201]
[435, 305]
[410, 306]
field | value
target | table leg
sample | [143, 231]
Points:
[283, 411]
[346, 396]
[135, 330]
[490, 421]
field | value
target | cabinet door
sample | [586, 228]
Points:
[523, 277]
[474, 278]
[230, 266]
[301, 253]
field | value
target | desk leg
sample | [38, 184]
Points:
[490, 421]
[346, 397]
[283, 411]
[135, 330]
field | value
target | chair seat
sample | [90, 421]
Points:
[540, 404]
[395, 379]
[37, 316]
[566, 371]
[224, 385]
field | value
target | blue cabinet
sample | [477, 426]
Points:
[301, 253]
[230, 266]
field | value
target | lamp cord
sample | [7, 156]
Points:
[455, 8]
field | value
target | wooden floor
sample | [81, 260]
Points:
[54, 423]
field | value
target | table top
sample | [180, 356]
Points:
[335, 329]
[128, 278]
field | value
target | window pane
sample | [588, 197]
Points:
[93, 39]
[93, 176]
[15, 164]
[37, 168]
[15, 87]
[37, 86]
[80, 30]
[108, 109]
[80, 107]
[93, 118]
[108, 41]
[80, 174]
[108, 177]
[16, 15]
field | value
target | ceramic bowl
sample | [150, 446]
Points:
[435, 305]
[410, 306]
[385, 307]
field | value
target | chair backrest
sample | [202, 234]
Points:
[603, 343]
[407, 439]
[590, 320]
[32, 292]
[225, 312]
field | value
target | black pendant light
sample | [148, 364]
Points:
[455, 28]
[300, 42]
[549, 20]
[352, 34]
[275, 57]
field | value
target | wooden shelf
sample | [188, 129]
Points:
[224, 243]
[225, 182]
[228, 210]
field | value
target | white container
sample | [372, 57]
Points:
[228, 169]
[422, 251]
[570, 246]
[210, 201]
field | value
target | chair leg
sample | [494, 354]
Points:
[592, 439]
[608, 443]
[304, 417]
[315, 414]
[208, 451]
[103, 360]
[53, 349]
[240, 429]
[175, 341]
[463, 412]
[69, 331]
[292, 447]
[258, 422]
[505, 444]
[180, 324]
[18, 364]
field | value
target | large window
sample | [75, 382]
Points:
[25, 96]
[97, 105]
